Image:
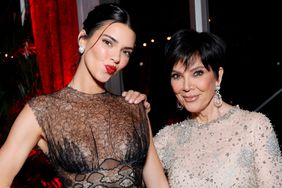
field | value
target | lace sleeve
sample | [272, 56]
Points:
[267, 154]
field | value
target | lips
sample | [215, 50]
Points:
[111, 69]
[191, 98]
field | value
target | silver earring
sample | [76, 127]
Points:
[179, 106]
[217, 97]
[81, 49]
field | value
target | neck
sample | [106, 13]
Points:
[211, 113]
[84, 82]
[90, 86]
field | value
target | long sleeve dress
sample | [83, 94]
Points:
[239, 149]
[94, 140]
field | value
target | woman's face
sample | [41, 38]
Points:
[108, 50]
[194, 86]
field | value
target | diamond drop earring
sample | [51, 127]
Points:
[179, 105]
[217, 97]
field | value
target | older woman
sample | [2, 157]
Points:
[218, 145]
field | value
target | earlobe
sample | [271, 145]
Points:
[81, 41]
[220, 75]
[81, 49]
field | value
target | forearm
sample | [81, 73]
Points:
[153, 173]
[7, 172]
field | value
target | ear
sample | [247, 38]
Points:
[82, 37]
[220, 75]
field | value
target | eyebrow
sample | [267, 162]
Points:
[191, 70]
[198, 67]
[114, 40]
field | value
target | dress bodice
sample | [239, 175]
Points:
[94, 140]
[239, 149]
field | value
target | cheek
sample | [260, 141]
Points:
[123, 64]
[204, 86]
[176, 86]
[207, 85]
[99, 52]
[90, 55]
[95, 56]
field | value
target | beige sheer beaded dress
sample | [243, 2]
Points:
[94, 140]
[239, 149]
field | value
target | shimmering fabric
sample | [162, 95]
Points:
[239, 149]
[96, 140]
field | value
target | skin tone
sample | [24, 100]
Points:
[136, 97]
[109, 48]
[107, 51]
[194, 87]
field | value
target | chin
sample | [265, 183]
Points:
[107, 79]
[104, 79]
[193, 109]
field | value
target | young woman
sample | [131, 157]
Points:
[92, 137]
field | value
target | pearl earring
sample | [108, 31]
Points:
[81, 49]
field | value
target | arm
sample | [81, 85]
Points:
[23, 136]
[153, 172]
[268, 155]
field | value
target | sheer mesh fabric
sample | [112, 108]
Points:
[96, 140]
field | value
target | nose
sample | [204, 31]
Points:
[115, 58]
[187, 85]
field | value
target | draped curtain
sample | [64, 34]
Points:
[55, 30]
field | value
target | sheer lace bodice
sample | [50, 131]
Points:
[96, 140]
[239, 149]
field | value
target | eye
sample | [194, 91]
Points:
[175, 76]
[127, 52]
[107, 42]
[198, 73]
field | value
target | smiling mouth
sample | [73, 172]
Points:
[190, 98]
[111, 69]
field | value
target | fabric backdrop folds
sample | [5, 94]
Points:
[55, 30]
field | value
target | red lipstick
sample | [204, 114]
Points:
[111, 69]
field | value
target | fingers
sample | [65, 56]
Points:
[134, 96]
[147, 106]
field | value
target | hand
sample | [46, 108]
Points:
[136, 97]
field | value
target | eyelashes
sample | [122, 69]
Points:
[107, 42]
[196, 73]
[175, 76]
[110, 43]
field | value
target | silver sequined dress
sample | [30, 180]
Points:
[239, 149]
